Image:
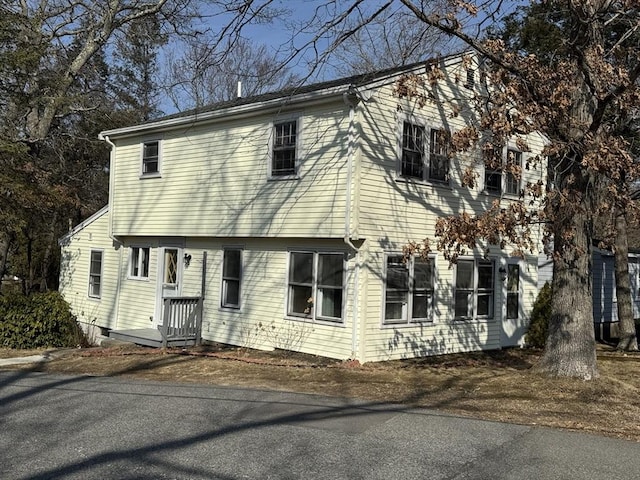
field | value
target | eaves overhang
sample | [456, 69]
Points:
[234, 111]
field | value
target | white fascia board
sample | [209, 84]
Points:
[309, 98]
[83, 224]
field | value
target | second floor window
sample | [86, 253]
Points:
[151, 157]
[415, 163]
[499, 179]
[283, 155]
[139, 262]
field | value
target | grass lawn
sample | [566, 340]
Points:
[497, 385]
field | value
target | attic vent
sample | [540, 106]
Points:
[471, 79]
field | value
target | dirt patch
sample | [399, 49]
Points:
[498, 385]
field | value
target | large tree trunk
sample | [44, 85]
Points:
[570, 347]
[627, 339]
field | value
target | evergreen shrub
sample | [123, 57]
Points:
[537, 332]
[38, 320]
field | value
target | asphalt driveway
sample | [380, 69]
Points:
[76, 427]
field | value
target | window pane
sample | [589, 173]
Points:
[485, 304]
[397, 274]
[301, 268]
[395, 306]
[421, 303]
[231, 293]
[330, 270]
[485, 275]
[512, 305]
[462, 304]
[412, 150]
[464, 274]
[150, 152]
[422, 275]
[145, 262]
[492, 180]
[513, 291]
[439, 157]
[284, 149]
[96, 263]
[331, 302]
[231, 267]
[299, 297]
[135, 261]
[171, 266]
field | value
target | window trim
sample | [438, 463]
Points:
[99, 275]
[314, 315]
[475, 290]
[157, 173]
[140, 262]
[504, 176]
[429, 130]
[411, 292]
[280, 120]
[224, 279]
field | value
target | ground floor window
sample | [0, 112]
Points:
[139, 262]
[95, 274]
[513, 291]
[231, 277]
[316, 285]
[409, 290]
[474, 289]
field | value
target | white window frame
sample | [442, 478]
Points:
[411, 290]
[313, 308]
[92, 274]
[427, 153]
[474, 290]
[143, 144]
[140, 264]
[226, 279]
[294, 118]
[505, 177]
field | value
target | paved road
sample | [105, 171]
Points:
[75, 427]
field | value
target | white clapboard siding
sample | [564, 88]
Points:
[214, 181]
[74, 272]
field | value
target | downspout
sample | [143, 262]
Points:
[348, 98]
[112, 170]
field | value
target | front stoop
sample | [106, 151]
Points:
[150, 337]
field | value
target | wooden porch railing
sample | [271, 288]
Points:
[182, 319]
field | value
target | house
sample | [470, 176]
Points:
[605, 302]
[278, 221]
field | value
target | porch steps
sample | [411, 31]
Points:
[150, 337]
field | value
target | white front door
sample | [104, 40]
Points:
[169, 278]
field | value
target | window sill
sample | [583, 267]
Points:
[222, 308]
[426, 183]
[500, 195]
[317, 321]
[144, 176]
[278, 178]
[138, 279]
[93, 298]
[472, 319]
[415, 323]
